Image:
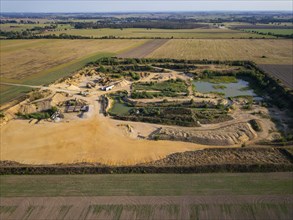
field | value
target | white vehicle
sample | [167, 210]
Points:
[107, 88]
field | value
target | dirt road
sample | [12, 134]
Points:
[143, 50]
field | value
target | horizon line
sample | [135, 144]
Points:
[141, 11]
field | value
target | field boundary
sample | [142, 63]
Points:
[159, 166]
[96, 169]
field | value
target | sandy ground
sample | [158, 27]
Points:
[90, 140]
[94, 138]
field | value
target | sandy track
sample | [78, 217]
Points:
[145, 207]
[143, 50]
[282, 72]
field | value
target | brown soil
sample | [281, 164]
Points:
[143, 50]
[282, 72]
[148, 207]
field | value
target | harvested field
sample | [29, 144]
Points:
[21, 59]
[282, 72]
[207, 207]
[143, 50]
[275, 51]
[38, 62]
[198, 33]
[163, 196]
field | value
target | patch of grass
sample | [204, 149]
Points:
[147, 185]
[219, 87]
[245, 88]
[220, 79]
[272, 31]
[177, 85]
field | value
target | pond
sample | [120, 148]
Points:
[240, 88]
[119, 108]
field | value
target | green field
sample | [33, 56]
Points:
[147, 196]
[272, 31]
[23, 27]
[147, 185]
[37, 62]
[160, 33]
[11, 92]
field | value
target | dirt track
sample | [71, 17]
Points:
[148, 207]
[282, 72]
[143, 50]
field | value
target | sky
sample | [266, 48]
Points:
[143, 5]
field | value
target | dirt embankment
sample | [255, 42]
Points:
[225, 156]
[229, 135]
[208, 160]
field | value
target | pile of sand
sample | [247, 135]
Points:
[58, 98]
[27, 109]
[122, 83]
[228, 135]
[73, 88]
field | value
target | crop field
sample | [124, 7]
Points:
[273, 31]
[259, 51]
[43, 61]
[161, 33]
[283, 72]
[20, 27]
[140, 196]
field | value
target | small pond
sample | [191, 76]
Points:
[240, 88]
[119, 108]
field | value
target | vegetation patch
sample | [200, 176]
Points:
[188, 113]
[218, 79]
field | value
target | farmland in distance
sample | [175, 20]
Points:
[199, 33]
[43, 61]
[259, 51]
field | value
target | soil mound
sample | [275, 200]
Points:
[229, 135]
